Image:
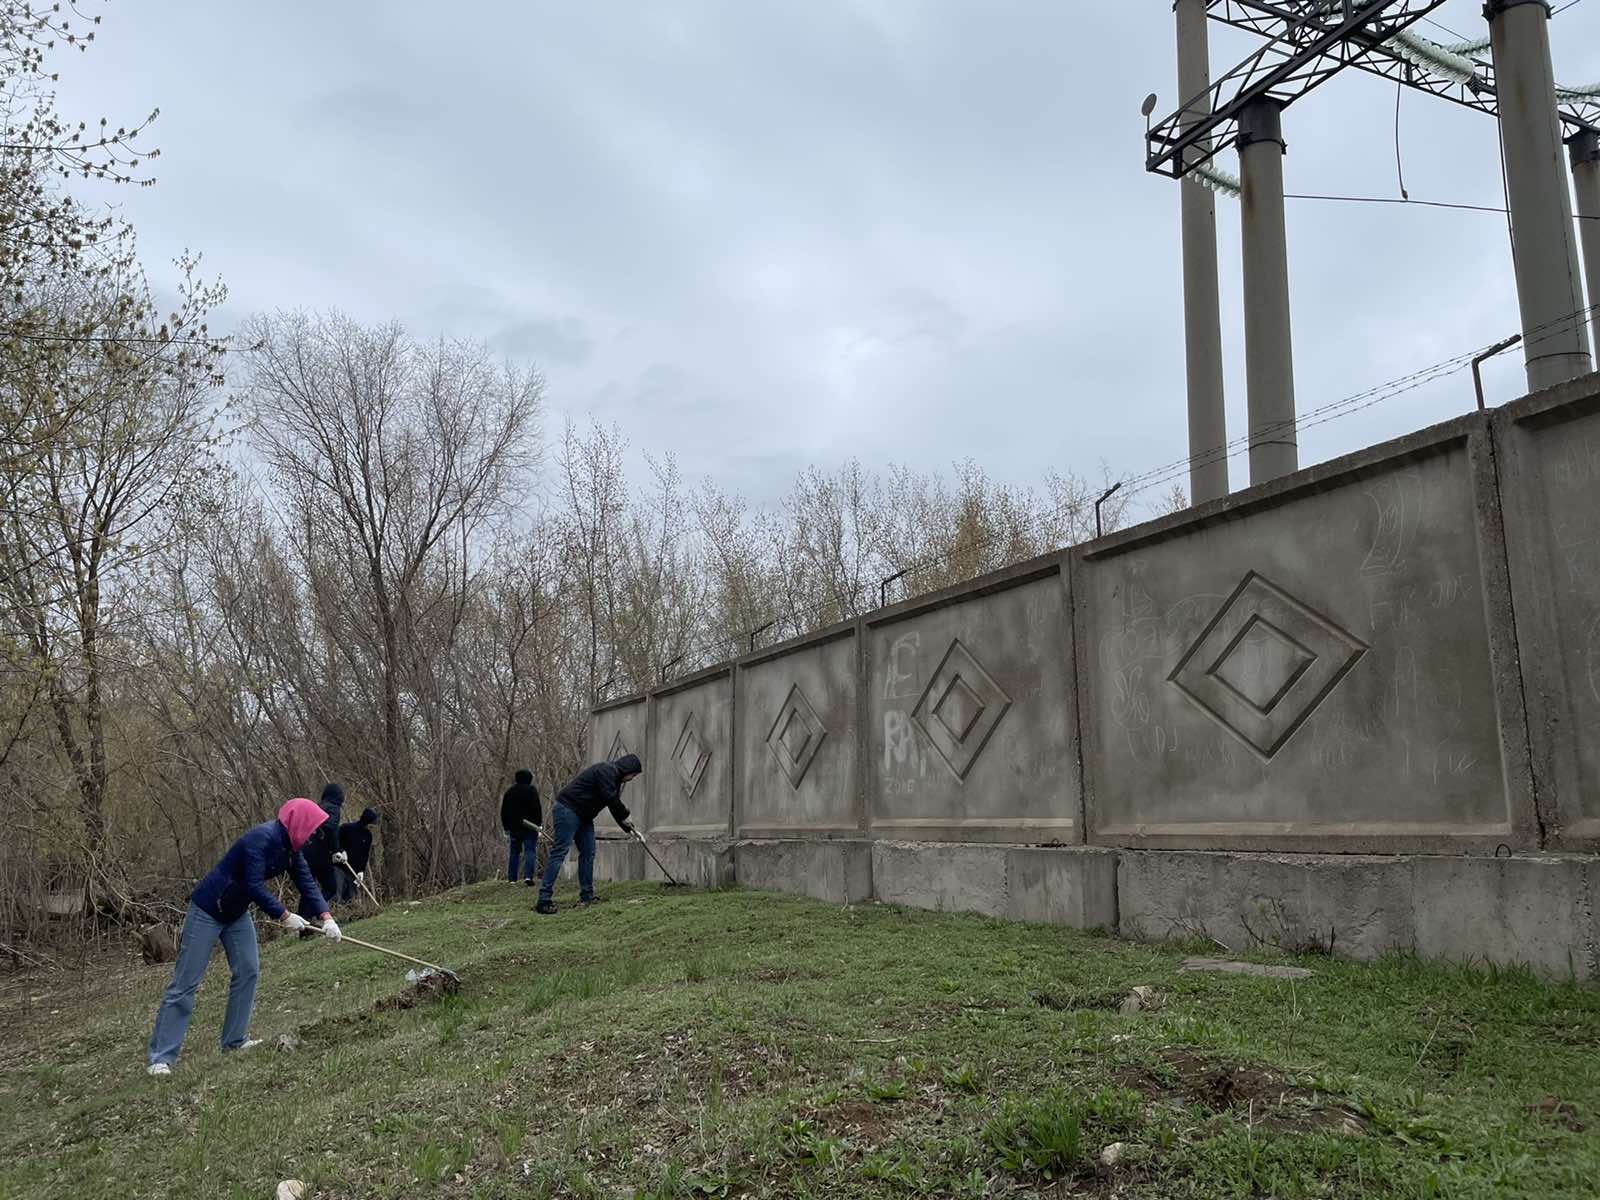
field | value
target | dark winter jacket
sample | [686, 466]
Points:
[355, 839]
[319, 851]
[519, 804]
[240, 879]
[600, 787]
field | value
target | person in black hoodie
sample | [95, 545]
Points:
[520, 815]
[322, 852]
[355, 839]
[580, 802]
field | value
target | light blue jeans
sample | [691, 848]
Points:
[201, 933]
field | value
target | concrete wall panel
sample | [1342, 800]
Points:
[971, 721]
[1322, 663]
[690, 764]
[621, 728]
[1549, 453]
[796, 771]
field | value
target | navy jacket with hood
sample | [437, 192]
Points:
[240, 879]
[600, 787]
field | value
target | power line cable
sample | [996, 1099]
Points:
[1484, 208]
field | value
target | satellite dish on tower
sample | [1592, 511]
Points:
[1148, 107]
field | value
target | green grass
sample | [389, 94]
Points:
[720, 1044]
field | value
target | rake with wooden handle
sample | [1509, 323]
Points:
[345, 937]
[358, 878]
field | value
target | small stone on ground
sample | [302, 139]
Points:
[1140, 999]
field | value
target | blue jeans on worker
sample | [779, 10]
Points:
[524, 849]
[570, 828]
[201, 933]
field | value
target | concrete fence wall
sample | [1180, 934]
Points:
[1395, 653]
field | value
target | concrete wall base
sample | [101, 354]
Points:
[615, 859]
[1534, 909]
[1066, 886]
[697, 862]
[1540, 910]
[839, 872]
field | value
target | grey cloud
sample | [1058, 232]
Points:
[763, 235]
[564, 341]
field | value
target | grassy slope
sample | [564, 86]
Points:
[734, 1043]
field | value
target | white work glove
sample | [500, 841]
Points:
[340, 857]
[294, 922]
[361, 876]
[330, 930]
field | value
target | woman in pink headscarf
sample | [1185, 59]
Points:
[219, 911]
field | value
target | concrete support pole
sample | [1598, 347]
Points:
[1549, 288]
[1202, 311]
[1268, 347]
[1585, 152]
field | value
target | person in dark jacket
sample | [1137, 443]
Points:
[520, 817]
[322, 852]
[219, 911]
[355, 839]
[580, 802]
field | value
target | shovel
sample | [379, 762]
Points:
[673, 882]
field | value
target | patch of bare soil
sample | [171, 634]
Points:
[429, 987]
[333, 1029]
[1074, 1000]
[1268, 1100]
[1559, 1112]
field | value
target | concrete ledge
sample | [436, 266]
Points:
[614, 859]
[839, 872]
[1070, 885]
[1075, 886]
[1532, 909]
[698, 862]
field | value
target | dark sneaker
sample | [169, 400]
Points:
[592, 900]
[531, 882]
[546, 907]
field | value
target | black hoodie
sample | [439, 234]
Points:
[324, 842]
[355, 838]
[319, 850]
[519, 804]
[600, 787]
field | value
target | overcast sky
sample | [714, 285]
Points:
[762, 234]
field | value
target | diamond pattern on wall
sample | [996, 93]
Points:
[618, 748]
[795, 736]
[690, 755]
[959, 709]
[1264, 664]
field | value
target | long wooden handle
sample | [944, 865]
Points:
[356, 875]
[385, 950]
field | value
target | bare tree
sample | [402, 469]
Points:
[387, 454]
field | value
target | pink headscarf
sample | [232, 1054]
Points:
[301, 818]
